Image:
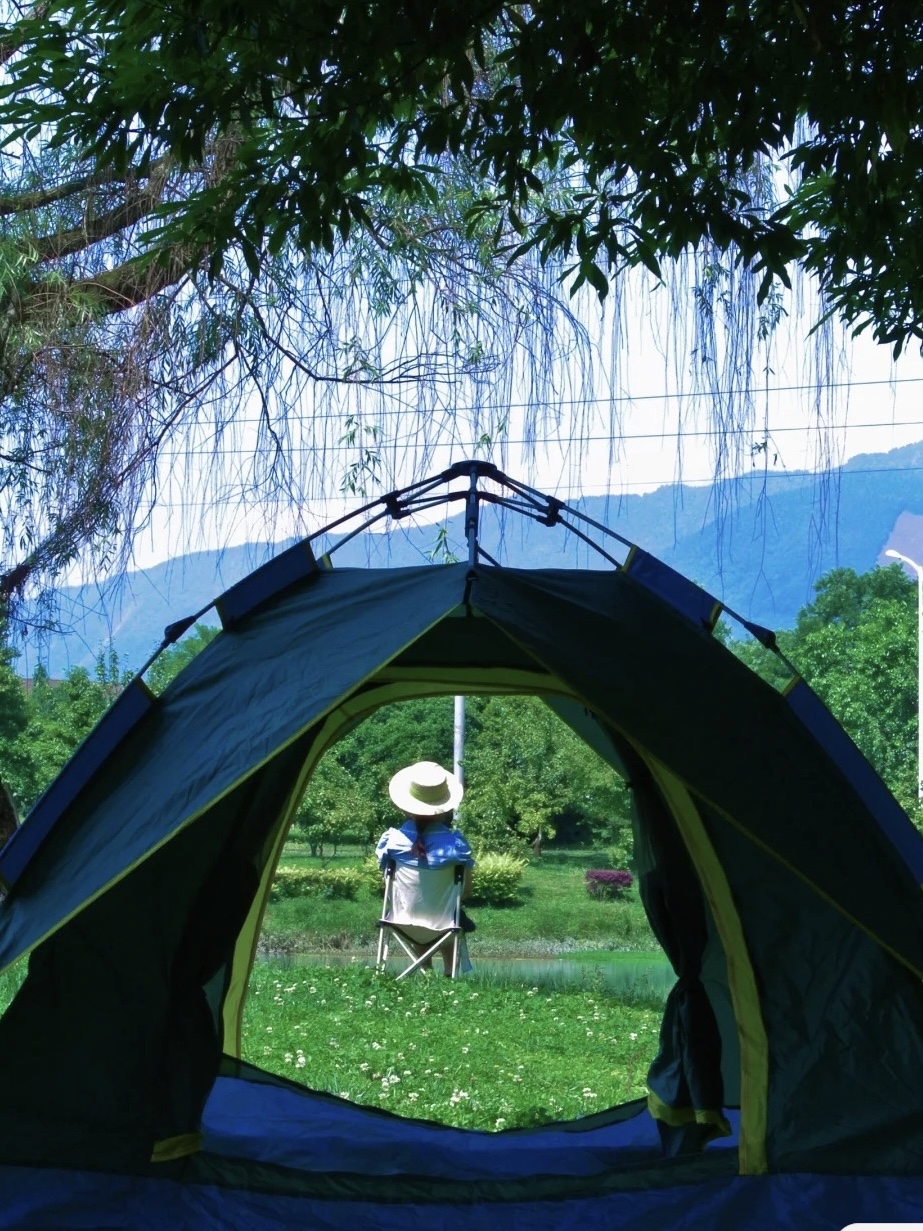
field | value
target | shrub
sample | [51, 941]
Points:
[298, 882]
[371, 876]
[620, 854]
[496, 880]
[605, 883]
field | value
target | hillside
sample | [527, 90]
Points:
[759, 550]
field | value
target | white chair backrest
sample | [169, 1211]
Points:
[427, 897]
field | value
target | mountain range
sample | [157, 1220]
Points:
[758, 544]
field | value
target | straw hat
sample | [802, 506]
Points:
[425, 789]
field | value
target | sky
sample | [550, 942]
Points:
[645, 422]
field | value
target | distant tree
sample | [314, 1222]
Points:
[17, 766]
[527, 773]
[62, 713]
[856, 645]
[843, 597]
[167, 666]
[334, 810]
[395, 736]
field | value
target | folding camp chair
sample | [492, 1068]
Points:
[422, 911]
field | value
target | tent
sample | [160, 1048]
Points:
[780, 876]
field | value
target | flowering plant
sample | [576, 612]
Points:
[605, 883]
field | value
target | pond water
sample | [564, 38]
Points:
[645, 974]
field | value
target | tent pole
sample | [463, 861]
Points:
[458, 747]
[471, 533]
[471, 516]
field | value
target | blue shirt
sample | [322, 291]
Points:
[441, 844]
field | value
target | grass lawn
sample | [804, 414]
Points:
[469, 1053]
[556, 915]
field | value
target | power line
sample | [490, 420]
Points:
[756, 475]
[298, 449]
[754, 391]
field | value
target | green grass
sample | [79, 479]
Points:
[10, 982]
[467, 1052]
[556, 915]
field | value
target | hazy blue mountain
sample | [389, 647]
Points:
[759, 548]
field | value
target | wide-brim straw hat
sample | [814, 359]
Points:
[425, 789]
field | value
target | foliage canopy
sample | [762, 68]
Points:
[613, 133]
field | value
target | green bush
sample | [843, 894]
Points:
[371, 875]
[300, 882]
[619, 855]
[496, 880]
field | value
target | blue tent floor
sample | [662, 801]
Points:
[262, 1140]
[290, 1126]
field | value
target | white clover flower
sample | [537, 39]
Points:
[364, 1068]
[376, 1047]
[465, 1050]
[632, 1037]
[299, 1063]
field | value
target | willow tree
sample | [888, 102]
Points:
[115, 346]
[659, 109]
[363, 208]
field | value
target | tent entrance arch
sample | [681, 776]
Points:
[781, 877]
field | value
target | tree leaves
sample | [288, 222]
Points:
[680, 100]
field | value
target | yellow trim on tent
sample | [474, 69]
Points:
[677, 1117]
[754, 1045]
[176, 1147]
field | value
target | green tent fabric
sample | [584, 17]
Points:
[781, 878]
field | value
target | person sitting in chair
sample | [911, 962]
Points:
[427, 795]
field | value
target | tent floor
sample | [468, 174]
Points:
[276, 1157]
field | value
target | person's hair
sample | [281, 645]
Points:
[447, 818]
